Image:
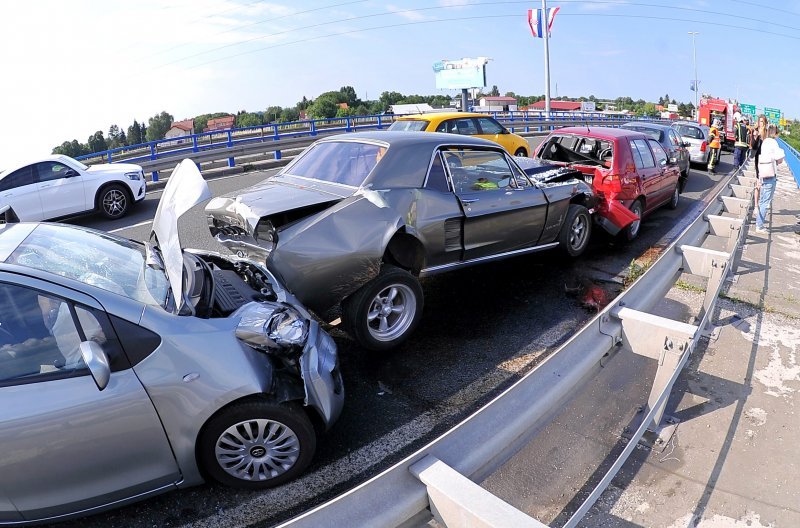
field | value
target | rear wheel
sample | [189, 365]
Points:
[576, 230]
[257, 444]
[386, 310]
[521, 152]
[632, 231]
[113, 201]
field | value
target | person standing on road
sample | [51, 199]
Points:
[770, 157]
[714, 144]
[756, 137]
[740, 138]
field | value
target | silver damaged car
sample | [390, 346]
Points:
[357, 218]
[130, 369]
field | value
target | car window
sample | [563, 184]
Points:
[464, 126]
[645, 159]
[690, 132]
[673, 137]
[658, 151]
[18, 178]
[343, 162]
[437, 179]
[409, 125]
[652, 132]
[479, 170]
[489, 126]
[51, 170]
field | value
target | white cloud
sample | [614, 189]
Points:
[408, 14]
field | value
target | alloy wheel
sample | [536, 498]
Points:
[257, 450]
[578, 232]
[391, 312]
[114, 202]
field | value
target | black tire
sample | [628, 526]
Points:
[369, 314]
[521, 152]
[114, 201]
[292, 427]
[676, 197]
[575, 231]
[632, 231]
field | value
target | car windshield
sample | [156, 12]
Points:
[409, 125]
[98, 259]
[342, 162]
[578, 150]
[690, 132]
[652, 132]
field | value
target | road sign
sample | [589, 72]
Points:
[773, 115]
[749, 111]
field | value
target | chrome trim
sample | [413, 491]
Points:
[445, 267]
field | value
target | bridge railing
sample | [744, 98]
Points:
[792, 159]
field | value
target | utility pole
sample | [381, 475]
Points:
[696, 87]
[546, 59]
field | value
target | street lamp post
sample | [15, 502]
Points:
[696, 87]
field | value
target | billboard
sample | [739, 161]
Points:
[588, 106]
[458, 74]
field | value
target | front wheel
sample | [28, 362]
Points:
[257, 444]
[386, 310]
[676, 196]
[632, 231]
[576, 230]
[521, 153]
[113, 201]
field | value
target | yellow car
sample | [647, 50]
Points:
[467, 124]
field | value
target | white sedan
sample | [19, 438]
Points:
[59, 186]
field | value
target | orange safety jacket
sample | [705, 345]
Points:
[713, 139]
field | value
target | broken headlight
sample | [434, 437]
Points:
[266, 235]
[271, 326]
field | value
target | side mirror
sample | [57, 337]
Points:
[673, 160]
[97, 361]
[686, 144]
[663, 162]
[71, 173]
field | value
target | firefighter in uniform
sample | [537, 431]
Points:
[714, 144]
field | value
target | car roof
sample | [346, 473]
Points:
[30, 161]
[599, 132]
[393, 137]
[438, 116]
[654, 126]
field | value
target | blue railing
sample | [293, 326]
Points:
[792, 159]
[153, 150]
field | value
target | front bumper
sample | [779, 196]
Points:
[139, 194]
[319, 366]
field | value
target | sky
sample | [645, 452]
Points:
[75, 67]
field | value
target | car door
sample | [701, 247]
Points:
[494, 131]
[681, 152]
[18, 190]
[651, 175]
[60, 189]
[69, 446]
[669, 171]
[503, 211]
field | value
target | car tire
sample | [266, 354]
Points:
[576, 230]
[237, 443]
[114, 201]
[632, 231]
[676, 197]
[386, 310]
[521, 152]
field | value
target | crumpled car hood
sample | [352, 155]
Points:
[284, 193]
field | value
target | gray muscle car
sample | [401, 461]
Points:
[357, 218]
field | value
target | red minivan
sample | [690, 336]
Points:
[624, 167]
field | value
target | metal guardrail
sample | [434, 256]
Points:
[792, 159]
[437, 476]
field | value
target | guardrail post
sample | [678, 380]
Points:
[231, 162]
[380, 123]
[109, 156]
[275, 135]
[194, 144]
[153, 153]
[664, 340]
[230, 139]
[347, 124]
[712, 265]
[277, 154]
[742, 191]
[154, 176]
[728, 228]
[736, 206]
[313, 128]
[457, 502]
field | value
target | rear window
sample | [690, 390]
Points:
[652, 132]
[409, 125]
[690, 132]
[343, 162]
[578, 150]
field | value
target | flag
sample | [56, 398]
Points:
[535, 21]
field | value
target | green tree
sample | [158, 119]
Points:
[494, 92]
[303, 104]
[323, 107]
[272, 113]
[97, 143]
[289, 114]
[648, 109]
[201, 121]
[248, 119]
[73, 149]
[511, 94]
[135, 135]
[388, 99]
[114, 137]
[158, 125]
[348, 95]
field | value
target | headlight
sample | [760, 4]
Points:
[136, 176]
[270, 326]
[266, 235]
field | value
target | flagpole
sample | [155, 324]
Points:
[546, 59]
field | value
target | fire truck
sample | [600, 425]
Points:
[711, 108]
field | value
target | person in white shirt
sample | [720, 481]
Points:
[770, 155]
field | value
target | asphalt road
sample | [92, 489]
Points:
[482, 329]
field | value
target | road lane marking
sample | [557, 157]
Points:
[130, 226]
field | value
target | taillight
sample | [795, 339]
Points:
[703, 146]
[612, 183]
